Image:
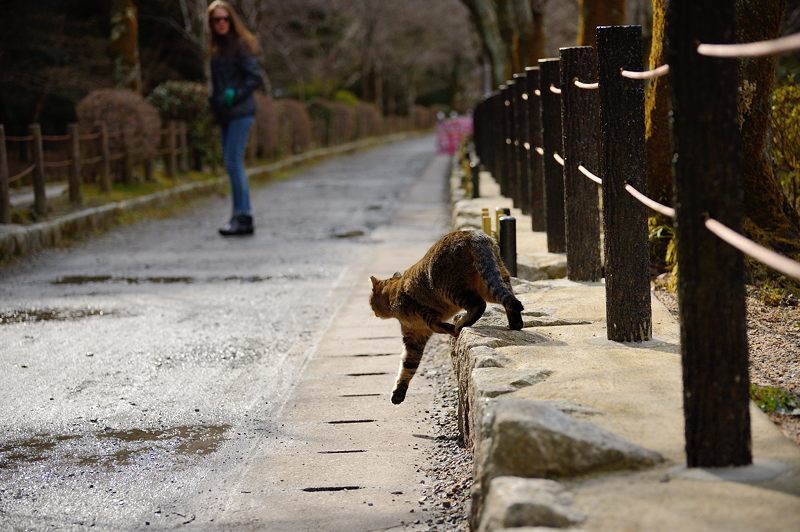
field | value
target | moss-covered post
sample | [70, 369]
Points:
[5, 194]
[622, 161]
[536, 168]
[708, 182]
[39, 192]
[125, 45]
[75, 164]
[581, 200]
[551, 142]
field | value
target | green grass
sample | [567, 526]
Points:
[772, 399]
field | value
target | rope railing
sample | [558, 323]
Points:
[22, 174]
[554, 89]
[56, 138]
[663, 70]
[539, 150]
[587, 86]
[766, 256]
[92, 160]
[669, 212]
[789, 43]
[582, 169]
[26, 138]
[558, 158]
[537, 92]
[89, 136]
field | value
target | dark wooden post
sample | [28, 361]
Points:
[172, 155]
[75, 196]
[551, 142]
[252, 144]
[127, 158]
[521, 119]
[498, 140]
[5, 194]
[622, 160]
[536, 168]
[105, 172]
[507, 180]
[184, 134]
[39, 192]
[708, 182]
[581, 197]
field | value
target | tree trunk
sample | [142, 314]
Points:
[595, 13]
[657, 109]
[772, 218]
[485, 18]
[125, 45]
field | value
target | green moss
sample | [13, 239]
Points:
[772, 399]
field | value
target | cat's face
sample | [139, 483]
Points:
[379, 299]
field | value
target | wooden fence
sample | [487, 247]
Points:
[555, 132]
[79, 156]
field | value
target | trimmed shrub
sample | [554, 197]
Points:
[267, 135]
[188, 102]
[369, 121]
[123, 110]
[294, 126]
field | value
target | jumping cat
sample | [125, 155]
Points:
[463, 270]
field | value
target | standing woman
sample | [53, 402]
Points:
[235, 74]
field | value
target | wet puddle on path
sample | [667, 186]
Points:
[8, 317]
[113, 447]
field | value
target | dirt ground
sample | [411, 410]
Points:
[773, 334]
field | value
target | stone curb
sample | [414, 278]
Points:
[17, 241]
[569, 430]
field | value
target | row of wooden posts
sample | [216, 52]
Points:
[549, 140]
[175, 153]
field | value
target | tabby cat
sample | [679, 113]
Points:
[463, 270]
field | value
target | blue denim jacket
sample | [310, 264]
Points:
[240, 71]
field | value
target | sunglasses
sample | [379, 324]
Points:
[220, 19]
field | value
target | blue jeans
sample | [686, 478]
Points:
[234, 144]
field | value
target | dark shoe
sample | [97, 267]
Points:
[241, 224]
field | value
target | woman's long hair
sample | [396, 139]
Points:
[241, 36]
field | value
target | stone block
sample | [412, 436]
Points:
[519, 502]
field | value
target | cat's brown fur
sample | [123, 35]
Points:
[463, 270]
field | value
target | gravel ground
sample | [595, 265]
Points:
[445, 505]
[773, 334]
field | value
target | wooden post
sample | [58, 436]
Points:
[508, 132]
[5, 194]
[75, 196]
[172, 155]
[521, 122]
[184, 132]
[581, 198]
[105, 171]
[708, 182]
[252, 144]
[498, 136]
[38, 177]
[127, 159]
[551, 142]
[622, 161]
[536, 168]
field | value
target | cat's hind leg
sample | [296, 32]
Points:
[413, 347]
[475, 307]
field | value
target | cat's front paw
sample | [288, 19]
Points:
[447, 328]
[399, 394]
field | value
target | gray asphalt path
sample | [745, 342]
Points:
[160, 376]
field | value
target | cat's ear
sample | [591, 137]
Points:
[374, 280]
[397, 275]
